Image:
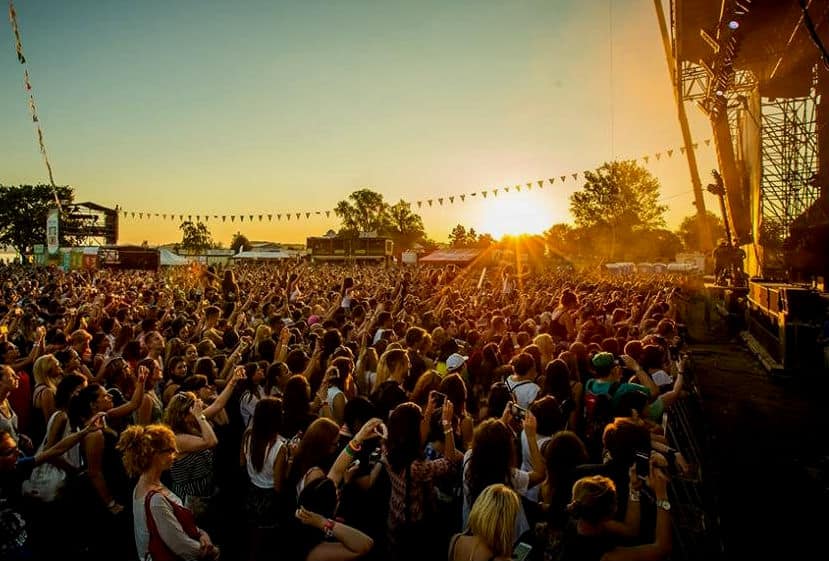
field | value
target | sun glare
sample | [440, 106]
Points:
[515, 216]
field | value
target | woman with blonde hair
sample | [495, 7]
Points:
[47, 373]
[491, 532]
[546, 345]
[161, 521]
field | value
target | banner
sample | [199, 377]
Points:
[52, 234]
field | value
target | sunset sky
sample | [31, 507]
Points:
[264, 107]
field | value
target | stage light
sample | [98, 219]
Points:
[733, 25]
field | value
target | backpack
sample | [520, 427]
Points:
[598, 413]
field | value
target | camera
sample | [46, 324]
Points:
[518, 412]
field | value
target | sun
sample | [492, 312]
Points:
[514, 217]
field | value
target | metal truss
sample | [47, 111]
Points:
[790, 158]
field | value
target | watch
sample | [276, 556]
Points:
[663, 504]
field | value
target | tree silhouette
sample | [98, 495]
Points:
[363, 211]
[240, 242]
[195, 237]
[23, 210]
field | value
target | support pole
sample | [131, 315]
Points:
[706, 243]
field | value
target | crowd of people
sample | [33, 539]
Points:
[332, 412]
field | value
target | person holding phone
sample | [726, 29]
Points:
[493, 459]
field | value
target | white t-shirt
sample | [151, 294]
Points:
[526, 465]
[662, 378]
[524, 391]
[519, 482]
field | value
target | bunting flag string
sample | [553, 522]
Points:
[449, 199]
[27, 85]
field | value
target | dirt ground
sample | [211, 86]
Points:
[766, 450]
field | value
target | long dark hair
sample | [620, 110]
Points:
[314, 448]
[267, 422]
[557, 380]
[492, 459]
[404, 445]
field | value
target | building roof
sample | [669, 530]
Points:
[452, 255]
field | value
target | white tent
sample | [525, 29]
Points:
[278, 254]
[170, 259]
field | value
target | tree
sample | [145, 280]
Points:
[459, 237]
[23, 211]
[484, 241]
[195, 237]
[240, 242]
[618, 197]
[363, 211]
[689, 229]
[404, 227]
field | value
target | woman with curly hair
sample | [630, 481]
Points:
[161, 521]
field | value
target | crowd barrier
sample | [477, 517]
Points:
[696, 530]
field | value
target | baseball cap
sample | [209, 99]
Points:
[605, 360]
[455, 361]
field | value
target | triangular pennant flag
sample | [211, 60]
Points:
[317, 213]
[552, 180]
[518, 188]
[198, 218]
[307, 215]
[279, 217]
[473, 194]
[297, 215]
[327, 213]
[156, 215]
[484, 193]
[189, 218]
[419, 204]
[250, 217]
[506, 189]
[125, 214]
[563, 178]
[430, 202]
[215, 217]
[658, 155]
[440, 201]
[646, 158]
[682, 149]
[164, 216]
[529, 185]
[495, 192]
[270, 218]
[670, 153]
[241, 218]
[708, 142]
[233, 218]
[140, 215]
[575, 177]
[181, 218]
[207, 218]
[452, 200]
[34, 119]
[540, 183]
[260, 218]
[133, 215]
[224, 218]
[463, 198]
[26, 81]
[20, 56]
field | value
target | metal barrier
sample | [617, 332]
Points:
[696, 531]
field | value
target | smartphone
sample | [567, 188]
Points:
[522, 551]
[642, 459]
[518, 412]
[439, 398]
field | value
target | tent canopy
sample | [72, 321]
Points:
[170, 259]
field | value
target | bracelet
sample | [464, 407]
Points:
[348, 450]
[356, 446]
[634, 496]
[328, 528]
